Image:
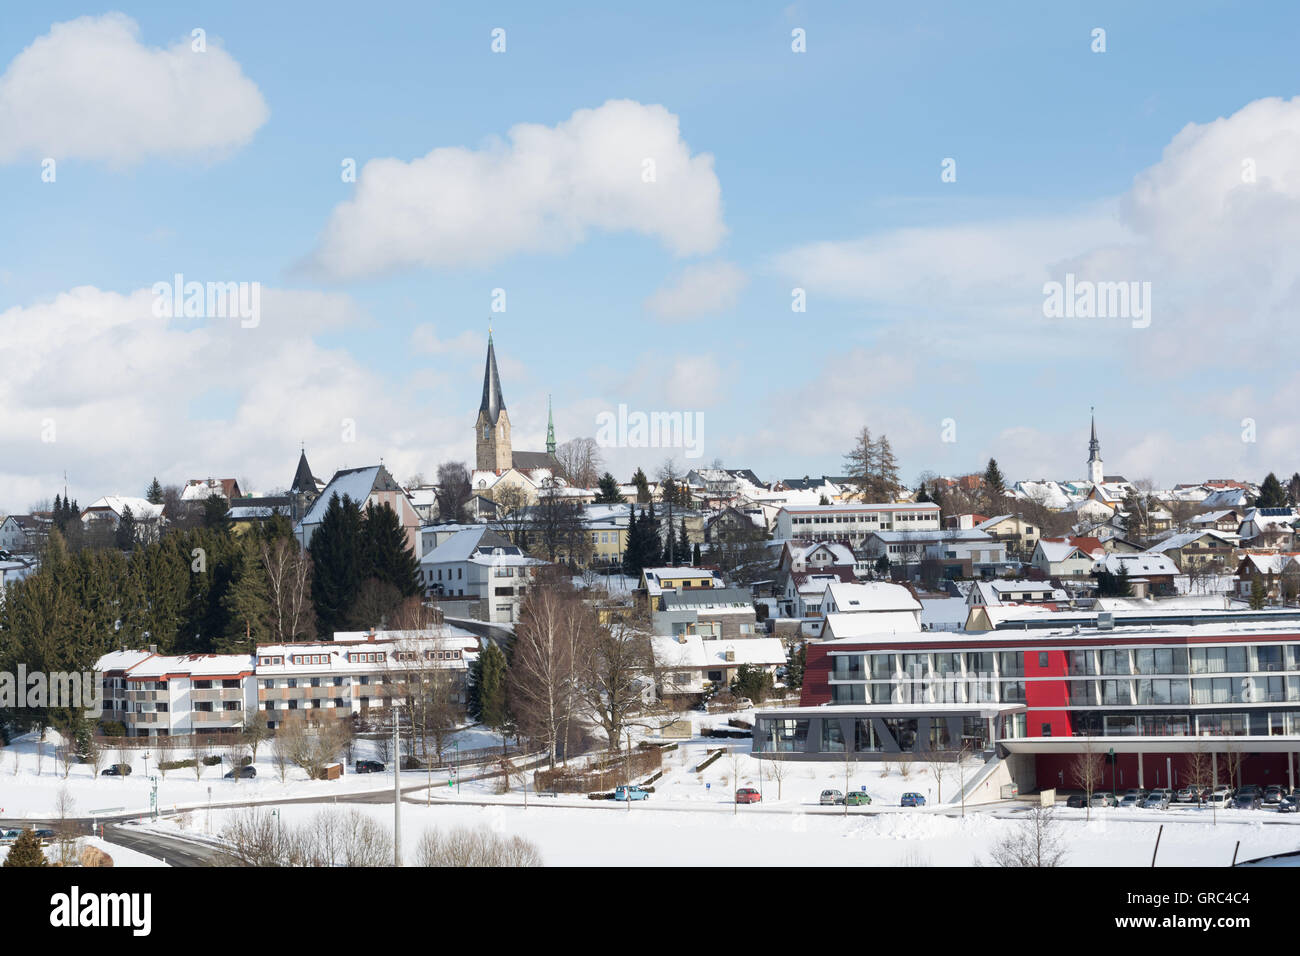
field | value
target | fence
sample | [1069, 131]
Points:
[601, 773]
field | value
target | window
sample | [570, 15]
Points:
[1042, 666]
[832, 737]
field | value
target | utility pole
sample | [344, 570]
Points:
[397, 794]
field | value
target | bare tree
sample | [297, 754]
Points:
[1198, 769]
[63, 754]
[453, 491]
[1088, 767]
[288, 577]
[1233, 756]
[513, 518]
[237, 756]
[479, 847]
[580, 462]
[777, 769]
[163, 750]
[940, 765]
[283, 745]
[1034, 841]
[539, 675]
[65, 827]
[254, 731]
[199, 750]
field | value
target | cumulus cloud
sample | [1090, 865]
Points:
[704, 289]
[424, 339]
[112, 394]
[89, 89]
[621, 167]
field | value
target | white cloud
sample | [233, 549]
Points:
[704, 289]
[90, 89]
[130, 395]
[542, 190]
[424, 339]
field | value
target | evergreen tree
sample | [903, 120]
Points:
[385, 552]
[492, 688]
[609, 493]
[653, 541]
[216, 513]
[642, 486]
[245, 605]
[26, 851]
[1271, 493]
[124, 536]
[1258, 596]
[1122, 587]
[683, 544]
[155, 493]
[921, 495]
[796, 663]
[632, 553]
[337, 562]
[994, 485]
[695, 555]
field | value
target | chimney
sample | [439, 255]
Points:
[153, 648]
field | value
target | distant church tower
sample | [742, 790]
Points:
[492, 429]
[550, 428]
[1095, 474]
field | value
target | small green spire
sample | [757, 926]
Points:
[550, 428]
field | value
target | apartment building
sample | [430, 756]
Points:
[853, 522]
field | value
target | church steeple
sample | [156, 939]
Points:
[1095, 472]
[492, 428]
[550, 428]
[492, 402]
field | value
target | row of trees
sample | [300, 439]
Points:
[565, 671]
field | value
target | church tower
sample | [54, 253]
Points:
[1095, 474]
[550, 428]
[492, 429]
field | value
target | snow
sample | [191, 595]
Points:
[120, 854]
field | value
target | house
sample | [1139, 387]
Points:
[1270, 567]
[734, 520]
[1148, 573]
[1268, 527]
[1018, 533]
[22, 534]
[1018, 591]
[690, 666]
[656, 581]
[110, 509]
[366, 486]
[157, 695]
[13, 569]
[358, 671]
[200, 489]
[964, 522]
[875, 607]
[1066, 557]
[479, 574]
[1225, 522]
[853, 522]
[1196, 549]
[967, 548]
[714, 613]
[967, 554]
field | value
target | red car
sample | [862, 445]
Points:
[748, 795]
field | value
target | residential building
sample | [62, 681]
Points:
[366, 486]
[853, 522]
[712, 613]
[479, 574]
[690, 666]
[1191, 550]
[1066, 557]
[1149, 573]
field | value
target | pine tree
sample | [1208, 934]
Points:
[653, 540]
[26, 851]
[245, 605]
[155, 493]
[609, 491]
[796, 662]
[921, 495]
[860, 464]
[1271, 493]
[683, 544]
[632, 553]
[492, 688]
[887, 482]
[124, 537]
[337, 562]
[1122, 587]
[1258, 596]
[385, 553]
[994, 485]
[695, 555]
[642, 486]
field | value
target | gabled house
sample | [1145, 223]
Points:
[1066, 557]
[370, 485]
[1148, 573]
[1190, 550]
[22, 534]
[1268, 527]
[482, 570]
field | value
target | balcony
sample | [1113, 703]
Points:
[215, 694]
[217, 716]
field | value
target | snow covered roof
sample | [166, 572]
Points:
[1183, 538]
[355, 483]
[691, 650]
[1143, 564]
[120, 660]
[463, 544]
[842, 507]
[841, 625]
[872, 596]
[157, 666]
[709, 598]
[141, 509]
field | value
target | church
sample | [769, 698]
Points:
[494, 456]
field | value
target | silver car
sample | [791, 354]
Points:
[831, 798]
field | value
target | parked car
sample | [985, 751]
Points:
[912, 800]
[1246, 801]
[1156, 800]
[1076, 801]
[1135, 792]
[45, 836]
[1130, 800]
[118, 770]
[243, 773]
[831, 798]
[1248, 790]
[8, 836]
[858, 798]
[1273, 795]
[744, 703]
[1288, 804]
[748, 795]
[1187, 795]
[631, 793]
[1104, 800]
[369, 766]
[1219, 798]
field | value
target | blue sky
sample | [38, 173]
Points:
[827, 170]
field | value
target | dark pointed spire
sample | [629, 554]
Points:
[303, 481]
[492, 401]
[1094, 446]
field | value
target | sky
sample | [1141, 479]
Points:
[640, 199]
